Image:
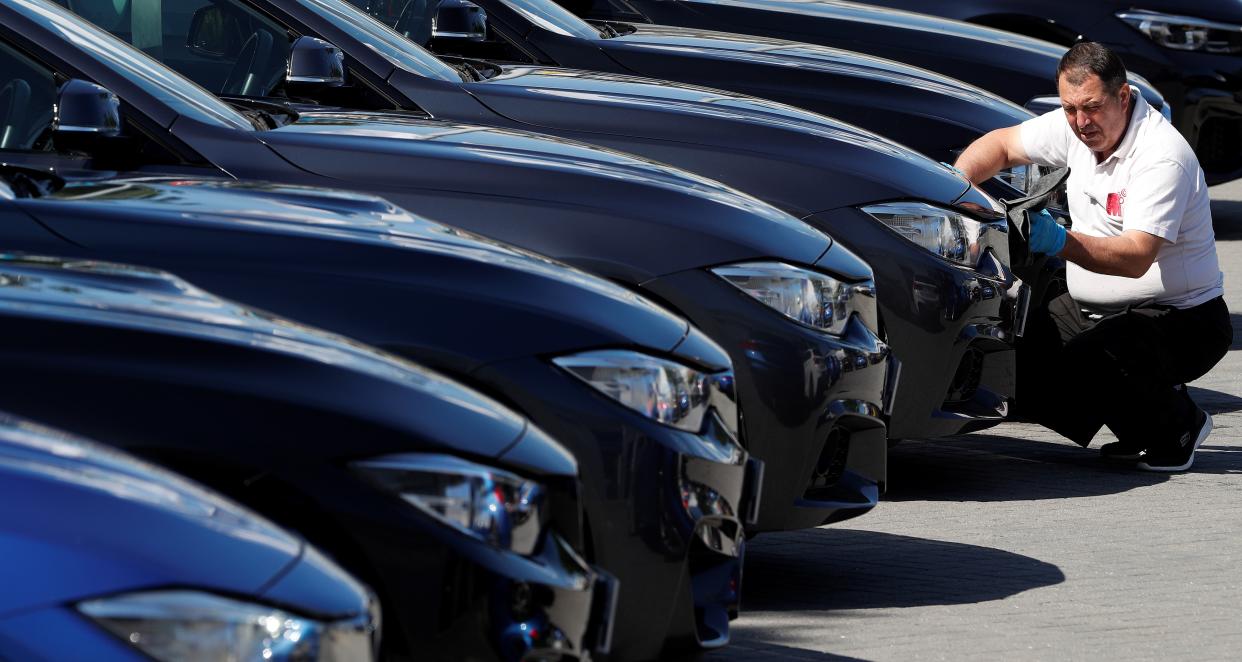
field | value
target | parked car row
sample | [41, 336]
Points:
[590, 303]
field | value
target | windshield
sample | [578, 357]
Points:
[223, 45]
[156, 80]
[553, 17]
[377, 36]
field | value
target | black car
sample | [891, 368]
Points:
[600, 368]
[944, 300]
[462, 516]
[1191, 50]
[810, 378]
[1019, 68]
[922, 109]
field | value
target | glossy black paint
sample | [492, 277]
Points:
[87, 537]
[780, 153]
[783, 156]
[358, 265]
[1203, 88]
[927, 111]
[624, 218]
[1016, 67]
[271, 413]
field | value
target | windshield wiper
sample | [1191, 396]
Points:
[265, 115]
[468, 72]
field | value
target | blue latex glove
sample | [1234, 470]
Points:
[954, 169]
[1047, 236]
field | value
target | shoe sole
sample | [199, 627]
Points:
[1203, 434]
[1123, 458]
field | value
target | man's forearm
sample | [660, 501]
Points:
[988, 155]
[1124, 255]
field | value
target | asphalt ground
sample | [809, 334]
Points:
[1017, 544]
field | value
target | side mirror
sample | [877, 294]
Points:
[459, 20]
[85, 116]
[208, 35]
[315, 62]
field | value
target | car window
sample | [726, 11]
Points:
[222, 45]
[368, 21]
[156, 80]
[553, 17]
[27, 98]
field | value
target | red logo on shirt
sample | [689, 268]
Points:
[1116, 203]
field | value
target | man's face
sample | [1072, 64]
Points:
[1097, 117]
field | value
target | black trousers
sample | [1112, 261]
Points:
[1078, 372]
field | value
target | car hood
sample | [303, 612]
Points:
[417, 161]
[935, 37]
[101, 497]
[864, 166]
[89, 294]
[783, 53]
[852, 11]
[217, 229]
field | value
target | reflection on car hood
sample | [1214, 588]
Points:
[886, 16]
[1034, 57]
[363, 242]
[99, 293]
[422, 163]
[782, 53]
[342, 215]
[662, 110]
[100, 497]
[448, 143]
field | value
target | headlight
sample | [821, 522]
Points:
[662, 390]
[187, 626]
[1185, 33]
[493, 505]
[946, 233]
[812, 298]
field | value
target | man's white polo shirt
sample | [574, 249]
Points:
[1152, 183]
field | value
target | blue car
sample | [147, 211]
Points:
[110, 558]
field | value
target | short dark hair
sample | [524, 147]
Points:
[1089, 57]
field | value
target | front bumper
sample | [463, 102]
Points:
[952, 328]
[810, 403]
[447, 595]
[679, 568]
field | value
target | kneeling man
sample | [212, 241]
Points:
[1144, 313]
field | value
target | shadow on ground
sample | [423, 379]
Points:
[834, 569]
[998, 467]
[749, 649]
[1003, 466]
[1216, 402]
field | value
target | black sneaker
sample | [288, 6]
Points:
[1179, 458]
[1123, 451]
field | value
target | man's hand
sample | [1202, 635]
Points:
[1047, 236]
